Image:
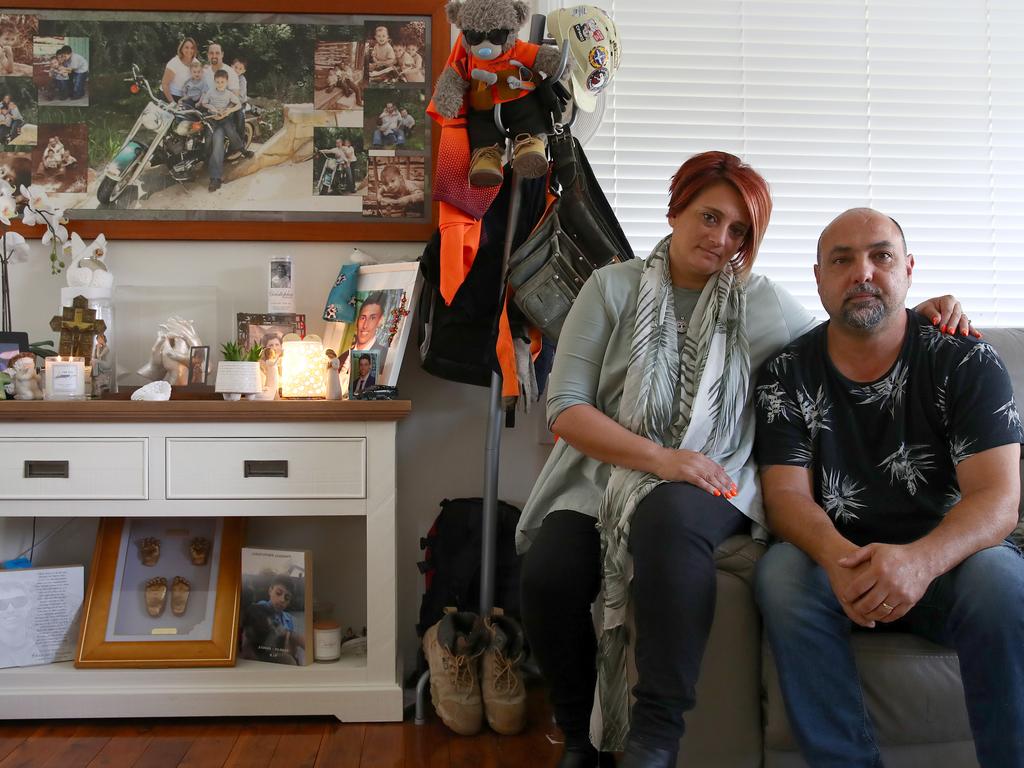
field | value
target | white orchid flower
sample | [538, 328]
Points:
[15, 247]
[8, 208]
[55, 231]
[31, 217]
[5, 188]
[37, 198]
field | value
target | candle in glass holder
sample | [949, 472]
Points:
[64, 378]
[303, 366]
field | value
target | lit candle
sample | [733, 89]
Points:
[302, 367]
[64, 378]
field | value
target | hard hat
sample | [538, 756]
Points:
[594, 51]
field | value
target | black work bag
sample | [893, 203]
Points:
[577, 234]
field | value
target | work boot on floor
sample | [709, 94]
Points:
[453, 647]
[529, 156]
[501, 679]
[485, 167]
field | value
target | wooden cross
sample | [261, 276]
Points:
[78, 327]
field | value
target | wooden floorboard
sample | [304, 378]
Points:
[342, 746]
[212, 745]
[269, 742]
[13, 736]
[128, 740]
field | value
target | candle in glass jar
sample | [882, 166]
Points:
[64, 378]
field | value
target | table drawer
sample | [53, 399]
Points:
[266, 468]
[90, 468]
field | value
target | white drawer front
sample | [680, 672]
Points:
[114, 468]
[266, 468]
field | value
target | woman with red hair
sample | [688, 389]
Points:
[651, 396]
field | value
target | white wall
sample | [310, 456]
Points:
[440, 445]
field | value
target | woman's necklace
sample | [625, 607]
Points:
[681, 325]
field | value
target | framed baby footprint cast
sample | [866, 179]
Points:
[162, 592]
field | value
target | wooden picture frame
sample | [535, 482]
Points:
[198, 365]
[317, 221]
[118, 629]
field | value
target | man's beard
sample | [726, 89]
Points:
[865, 318]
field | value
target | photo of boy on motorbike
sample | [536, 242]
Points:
[222, 104]
[192, 90]
[339, 167]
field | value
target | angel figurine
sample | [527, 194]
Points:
[268, 365]
[333, 375]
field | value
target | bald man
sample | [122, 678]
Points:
[889, 455]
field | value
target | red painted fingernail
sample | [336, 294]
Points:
[942, 329]
[935, 320]
[717, 492]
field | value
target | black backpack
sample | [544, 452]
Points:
[451, 565]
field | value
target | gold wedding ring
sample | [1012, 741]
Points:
[889, 608]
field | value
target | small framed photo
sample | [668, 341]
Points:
[11, 343]
[163, 592]
[268, 330]
[363, 376]
[198, 364]
[387, 295]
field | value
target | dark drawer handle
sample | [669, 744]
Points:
[266, 468]
[47, 469]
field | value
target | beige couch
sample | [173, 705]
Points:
[912, 686]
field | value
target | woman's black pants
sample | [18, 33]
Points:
[673, 536]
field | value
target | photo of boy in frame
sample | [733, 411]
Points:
[198, 365]
[363, 367]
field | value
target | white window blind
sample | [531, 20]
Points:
[913, 107]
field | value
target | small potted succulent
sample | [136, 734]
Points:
[239, 372]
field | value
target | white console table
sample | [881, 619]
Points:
[185, 459]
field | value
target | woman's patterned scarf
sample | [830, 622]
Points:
[708, 381]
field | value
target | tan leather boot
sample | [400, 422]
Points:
[453, 647]
[501, 679]
[529, 156]
[485, 167]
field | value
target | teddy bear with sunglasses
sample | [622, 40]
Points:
[490, 66]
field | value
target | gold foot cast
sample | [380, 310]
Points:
[156, 595]
[149, 551]
[179, 595]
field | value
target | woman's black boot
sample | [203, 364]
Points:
[585, 756]
[640, 755]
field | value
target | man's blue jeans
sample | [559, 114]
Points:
[977, 609]
[78, 81]
[222, 128]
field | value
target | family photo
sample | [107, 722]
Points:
[60, 160]
[394, 119]
[61, 70]
[394, 52]
[18, 111]
[208, 118]
[338, 74]
[395, 187]
[339, 167]
[17, 31]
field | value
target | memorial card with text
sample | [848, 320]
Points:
[40, 609]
